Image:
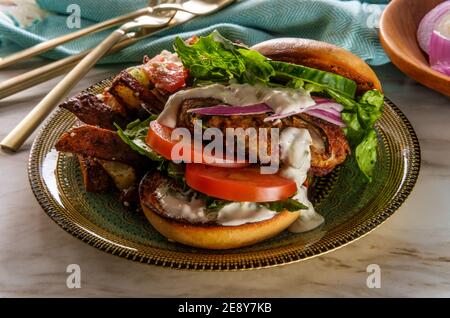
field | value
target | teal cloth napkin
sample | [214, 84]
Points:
[349, 24]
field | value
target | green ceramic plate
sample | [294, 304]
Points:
[351, 208]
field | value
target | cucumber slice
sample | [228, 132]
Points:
[325, 79]
[139, 74]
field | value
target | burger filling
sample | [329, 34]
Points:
[295, 155]
[221, 84]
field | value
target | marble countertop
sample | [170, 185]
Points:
[412, 248]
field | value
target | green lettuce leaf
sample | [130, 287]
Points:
[214, 58]
[134, 136]
[360, 117]
[289, 204]
[366, 153]
[213, 205]
[258, 70]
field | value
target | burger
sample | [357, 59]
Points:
[303, 88]
[237, 135]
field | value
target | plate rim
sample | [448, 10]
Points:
[51, 209]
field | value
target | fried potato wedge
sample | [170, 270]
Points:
[92, 111]
[123, 175]
[133, 89]
[95, 178]
[99, 143]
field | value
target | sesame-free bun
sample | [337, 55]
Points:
[218, 237]
[209, 235]
[322, 56]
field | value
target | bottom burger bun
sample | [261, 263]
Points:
[220, 237]
[208, 236]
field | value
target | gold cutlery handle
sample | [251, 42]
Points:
[25, 128]
[54, 69]
[37, 76]
[50, 44]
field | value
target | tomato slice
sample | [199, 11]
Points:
[242, 185]
[167, 71]
[159, 138]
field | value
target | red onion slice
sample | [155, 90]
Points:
[428, 24]
[320, 100]
[327, 116]
[440, 53]
[324, 109]
[328, 105]
[227, 110]
[279, 116]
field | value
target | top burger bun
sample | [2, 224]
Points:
[322, 56]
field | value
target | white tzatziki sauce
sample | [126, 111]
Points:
[238, 213]
[295, 154]
[179, 207]
[233, 214]
[281, 100]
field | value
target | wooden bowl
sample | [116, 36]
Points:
[398, 29]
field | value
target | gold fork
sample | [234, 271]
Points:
[185, 11]
[51, 44]
[59, 67]
[49, 71]
[21, 132]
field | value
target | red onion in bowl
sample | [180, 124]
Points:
[440, 53]
[429, 24]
